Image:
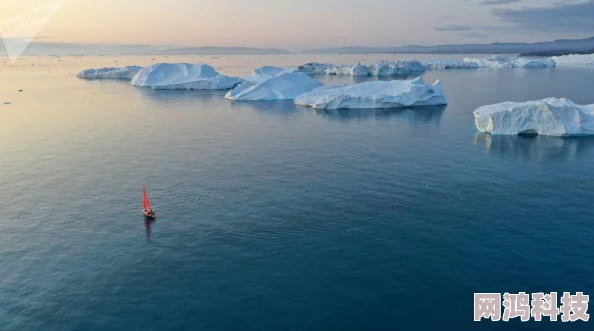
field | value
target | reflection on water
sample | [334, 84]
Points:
[539, 148]
[417, 115]
[283, 108]
[148, 223]
[179, 96]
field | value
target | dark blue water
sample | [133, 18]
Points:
[276, 217]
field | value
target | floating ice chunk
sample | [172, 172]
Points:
[379, 94]
[383, 68]
[261, 74]
[500, 61]
[286, 86]
[449, 64]
[183, 76]
[574, 59]
[550, 117]
[110, 73]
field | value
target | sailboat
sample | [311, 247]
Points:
[146, 206]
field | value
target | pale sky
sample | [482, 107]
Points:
[296, 24]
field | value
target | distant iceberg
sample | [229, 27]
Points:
[110, 73]
[449, 64]
[261, 74]
[285, 86]
[183, 76]
[499, 62]
[574, 59]
[379, 94]
[382, 68]
[550, 117]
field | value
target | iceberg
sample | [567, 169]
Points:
[382, 68]
[183, 76]
[388, 68]
[449, 64]
[285, 86]
[549, 117]
[574, 59]
[261, 74]
[110, 73]
[500, 61]
[379, 94]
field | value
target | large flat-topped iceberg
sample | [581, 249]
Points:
[550, 117]
[382, 68]
[574, 59]
[285, 86]
[380, 94]
[449, 64]
[110, 73]
[183, 76]
[500, 62]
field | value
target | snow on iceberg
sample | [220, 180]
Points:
[183, 76]
[285, 86]
[110, 73]
[574, 59]
[550, 117]
[500, 61]
[379, 94]
[449, 64]
[382, 68]
[261, 74]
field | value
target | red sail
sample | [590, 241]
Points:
[145, 202]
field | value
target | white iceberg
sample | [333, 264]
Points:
[500, 61]
[550, 117]
[261, 74]
[286, 86]
[449, 64]
[110, 73]
[382, 68]
[391, 68]
[183, 76]
[379, 94]
[574, 59]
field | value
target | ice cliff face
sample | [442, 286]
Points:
[379, 94]
[183, 76]
[574, 59]
[550, 117]
[499, 62]
[126, 73]
[382, 68]
[449, 64]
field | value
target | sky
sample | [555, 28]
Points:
[298, 24]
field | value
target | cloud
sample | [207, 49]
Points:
[563, 17]
[497, 2]
[451, 27]
[474, 35]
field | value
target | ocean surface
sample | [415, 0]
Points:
[277, 217]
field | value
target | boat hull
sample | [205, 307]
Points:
[149, 215]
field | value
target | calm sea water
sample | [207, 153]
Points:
[277, 217]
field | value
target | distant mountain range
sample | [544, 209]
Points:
[565, 45]
[65, 49]
[549, 48]
[221, 51]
